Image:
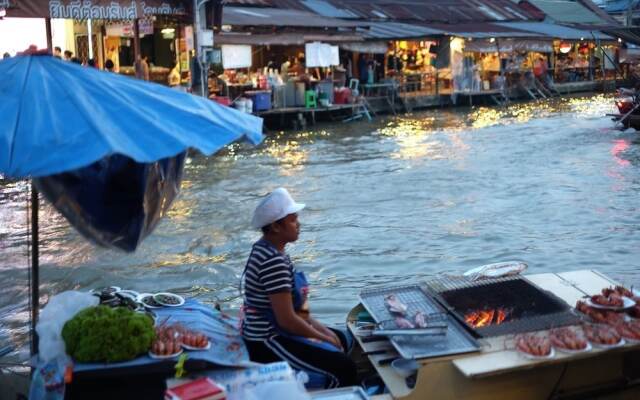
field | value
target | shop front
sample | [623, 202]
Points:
[102, 33]
[256, 75]
[499, 64]
[584, 61]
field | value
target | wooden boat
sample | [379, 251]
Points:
[497, 371]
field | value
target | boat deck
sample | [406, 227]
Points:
[499, 369]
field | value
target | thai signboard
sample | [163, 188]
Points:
[94, 9]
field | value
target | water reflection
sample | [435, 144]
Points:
[400, 199]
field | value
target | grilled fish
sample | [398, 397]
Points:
[394, 305]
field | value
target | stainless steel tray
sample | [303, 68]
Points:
[456, 341]
[347, 393]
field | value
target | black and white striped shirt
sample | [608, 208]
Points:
[267, 272]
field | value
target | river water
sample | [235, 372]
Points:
[396, 200]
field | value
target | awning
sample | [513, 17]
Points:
[96, 9]
[628, 34]
[557, 31]
[283, 39]
[244, 16]
[482, 30]
[366, 47]
[397, 31]
[509, 45]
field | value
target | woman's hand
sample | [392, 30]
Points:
[331, 335]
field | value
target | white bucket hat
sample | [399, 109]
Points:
[278, 204]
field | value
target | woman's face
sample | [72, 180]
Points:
[288, 228]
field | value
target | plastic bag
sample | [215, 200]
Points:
[61, 308]
[284, 390]
[48, 380]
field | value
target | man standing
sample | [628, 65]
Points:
[142, 68]
[57, 52]
[68, 55]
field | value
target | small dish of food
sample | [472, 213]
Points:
[568, 340]
[603, 336]
[168, 299]
[165, 348]
[195, 341]
[611, 302]
[534, 346]
[148, 300]
[105, 290]
[629, 330]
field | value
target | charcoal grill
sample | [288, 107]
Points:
[526, 306]
[456, 340]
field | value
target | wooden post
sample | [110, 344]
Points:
[47, 23]
[136, 47]
[35, 268]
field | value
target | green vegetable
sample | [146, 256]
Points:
[107, 334]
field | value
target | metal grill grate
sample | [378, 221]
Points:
[457, 340]
[447, 283]
[532, 308]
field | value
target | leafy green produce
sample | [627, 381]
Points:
[103, 333]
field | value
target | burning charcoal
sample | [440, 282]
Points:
[404, 323]
[420, 319]
[394, 305]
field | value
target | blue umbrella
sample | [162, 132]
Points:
[57, 116]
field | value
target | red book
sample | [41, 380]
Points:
[199, 389]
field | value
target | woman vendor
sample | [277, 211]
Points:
[277, 324]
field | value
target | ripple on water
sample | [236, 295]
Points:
[398, 200]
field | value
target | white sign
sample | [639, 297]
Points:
[205, 38]
[321, 55]
[236, 56]
[125, 29]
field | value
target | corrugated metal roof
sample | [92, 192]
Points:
[327, 9]
[481, 30]
[251, 16]
[556, 31]
[617, 5]
[567, 11]
[446, 11]
[285, 39]
[397, 30]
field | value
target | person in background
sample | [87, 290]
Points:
[108, 65]
[142, 68]
[174, 77]
[6, 55]
[277, 324]
[363, 69]
[91, 63]
[76, 60]
[57, 52]
[67, 55]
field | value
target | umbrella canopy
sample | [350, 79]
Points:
[58, 116]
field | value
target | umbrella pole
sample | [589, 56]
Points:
[35, 269]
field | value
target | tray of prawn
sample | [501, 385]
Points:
[599, 316]
[569, 340]
[603, 336]
[629, 330]
[534, 346]
[170, 340]
[612, 298]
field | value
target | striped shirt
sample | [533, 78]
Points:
[267, 272]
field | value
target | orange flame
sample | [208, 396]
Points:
[480, 318]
